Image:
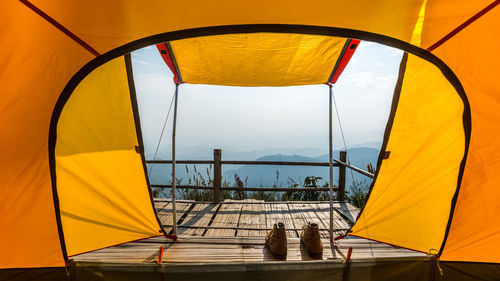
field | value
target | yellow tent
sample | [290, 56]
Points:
[71, 155]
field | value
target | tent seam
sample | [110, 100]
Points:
[60, 27]
[463, 26]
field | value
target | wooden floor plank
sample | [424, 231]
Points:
[254, 216]
[347, 210]
[199, 216]
[297, 215]
[227, 216]
[305, 213]
[221, 245]
[280, 213]
[236, 249]
[159, 205]
[323, 212]
[165, 214]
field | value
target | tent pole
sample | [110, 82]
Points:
[174, 211]
[330, 160]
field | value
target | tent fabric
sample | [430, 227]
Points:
[39, 60]
[410, 201]
[257, 59]
[474, 233]
[31, 84]
[101, 183]
[471, 235]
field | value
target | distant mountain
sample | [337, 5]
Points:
[206, 153]
[264, 175]
[282, 176]
[370, 144]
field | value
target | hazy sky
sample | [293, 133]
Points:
[259, 118]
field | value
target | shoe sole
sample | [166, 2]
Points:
[316, 255]
[276, 256]
[279, 256]
[312, 255]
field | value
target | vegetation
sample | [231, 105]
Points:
[355, 193]
[306, 195]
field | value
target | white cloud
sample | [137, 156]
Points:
[153, 84]
[392, 51]
[365, 44]
[142, 62]
[368, 79]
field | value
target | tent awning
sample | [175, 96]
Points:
[257, 59]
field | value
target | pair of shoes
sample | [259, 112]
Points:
[312, 240]
[276, 240]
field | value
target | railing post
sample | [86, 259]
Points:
[217, 174]
[342, 171]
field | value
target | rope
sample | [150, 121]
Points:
[435, 254]
[343, 139]
[161, 135]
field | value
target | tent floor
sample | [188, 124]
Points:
[396, 269]
[408, 269]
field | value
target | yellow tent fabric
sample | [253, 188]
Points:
[45, 43]
[101, 184]
[257, 59]
[410, 201]
[471, 236]
[474, 233]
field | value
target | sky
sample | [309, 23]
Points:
[288, 119]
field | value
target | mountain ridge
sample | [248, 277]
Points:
[273, 175]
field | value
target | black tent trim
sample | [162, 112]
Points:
[254, 28]
[138, 130]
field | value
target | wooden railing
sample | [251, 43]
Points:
[217, 163]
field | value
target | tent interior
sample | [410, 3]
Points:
[72, 150]
[256, 59]
[99, 138]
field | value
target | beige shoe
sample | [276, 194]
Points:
[312, 240]
[276, 240]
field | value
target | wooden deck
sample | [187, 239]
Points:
[234, 231]
[251, 218]
[235, 249]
